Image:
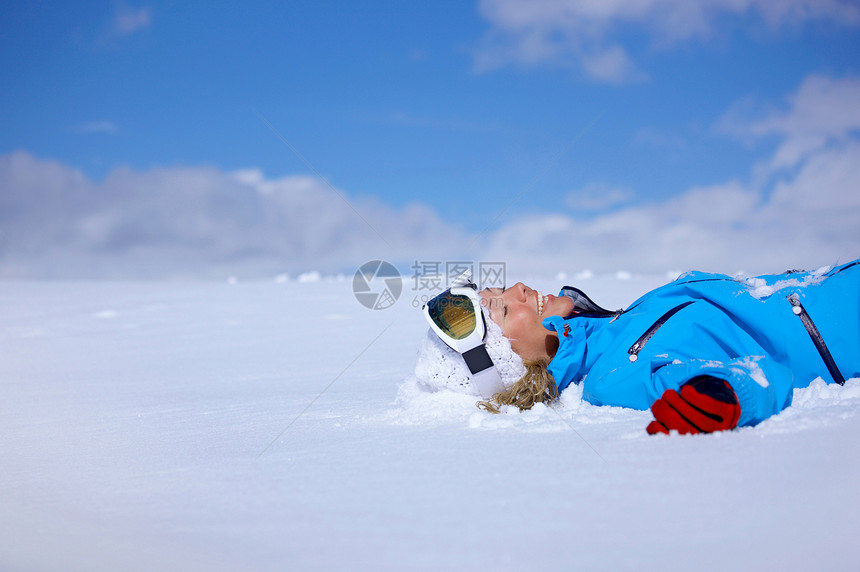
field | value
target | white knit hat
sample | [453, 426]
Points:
[439, 367]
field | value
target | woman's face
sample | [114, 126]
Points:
[519, 311]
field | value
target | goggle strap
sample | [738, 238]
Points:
[477, 359]
[488, 382]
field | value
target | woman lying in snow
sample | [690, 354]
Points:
[705, 353]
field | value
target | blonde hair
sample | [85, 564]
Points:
[536, 386]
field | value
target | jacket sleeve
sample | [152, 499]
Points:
[763, 386]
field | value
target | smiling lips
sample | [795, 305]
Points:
[541, 300]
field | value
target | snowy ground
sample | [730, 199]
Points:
[258, 427]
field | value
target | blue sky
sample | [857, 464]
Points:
[461, 108]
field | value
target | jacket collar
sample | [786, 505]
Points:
[582, 304]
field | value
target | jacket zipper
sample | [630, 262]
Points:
[817, 339]
[643, 339]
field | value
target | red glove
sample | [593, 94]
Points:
[704, 404]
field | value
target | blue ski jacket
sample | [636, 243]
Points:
[765, 335]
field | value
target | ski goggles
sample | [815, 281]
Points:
[456, 317]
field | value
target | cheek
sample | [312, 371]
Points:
[526, 335]
[495, 310]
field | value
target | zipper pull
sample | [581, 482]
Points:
[794, 299]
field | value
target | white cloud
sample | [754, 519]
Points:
[823, 111]
[128, 20]
[610, 64]
[405, 119]
[584, 34]
[597, 197]
[104, 127]
[124, 21]
[806, 216]
[724, 228]
[56, 222]
[196, 222]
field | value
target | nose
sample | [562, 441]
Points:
[519, 292]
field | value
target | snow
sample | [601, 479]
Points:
[274, 426]
[311, 276]
[759, 288]
[754, 370]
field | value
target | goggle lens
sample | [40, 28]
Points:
[454, 314]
